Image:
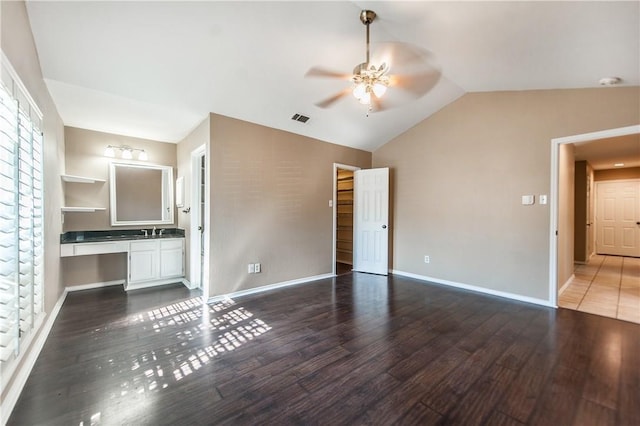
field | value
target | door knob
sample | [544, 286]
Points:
[384, 226]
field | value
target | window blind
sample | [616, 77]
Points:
[21, 215]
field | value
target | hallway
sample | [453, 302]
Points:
[607, 286]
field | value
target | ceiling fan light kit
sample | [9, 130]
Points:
[368, 79]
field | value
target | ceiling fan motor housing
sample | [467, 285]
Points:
[367, 16]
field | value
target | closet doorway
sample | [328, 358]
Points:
[199, 221]
[343, 191]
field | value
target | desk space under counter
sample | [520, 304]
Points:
[150, 261]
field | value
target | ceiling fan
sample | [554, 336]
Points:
[370, 81]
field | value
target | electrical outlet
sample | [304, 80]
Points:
[252, 268]
[427, 259]
[257, 268]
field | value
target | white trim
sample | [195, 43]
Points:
[6, 64]
[269, 287]
[474, 288]
[337, 166]
[153, 283]
[188, 284]
[91, 286]
[14, 391]
[553, 198]
[566, 285]
[609, 133]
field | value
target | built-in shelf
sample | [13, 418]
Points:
[82, 209]
[80, 179]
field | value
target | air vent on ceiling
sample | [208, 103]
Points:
[301, 118]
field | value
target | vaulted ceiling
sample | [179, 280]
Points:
[156, 69]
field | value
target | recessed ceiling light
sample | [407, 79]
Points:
[610, 81]
[618, 165]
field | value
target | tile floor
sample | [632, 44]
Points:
[607, 286]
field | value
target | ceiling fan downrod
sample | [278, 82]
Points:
[367, 17]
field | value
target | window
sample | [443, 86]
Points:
[21, 216]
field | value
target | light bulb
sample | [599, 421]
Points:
[360, 90]
[379, 89]
[109, 152]
[366, 98]
[126, 154]
[143, 156]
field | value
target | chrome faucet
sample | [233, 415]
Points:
[146, 233]
[161, 231]
[153, 233]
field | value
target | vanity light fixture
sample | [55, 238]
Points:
[126, 152]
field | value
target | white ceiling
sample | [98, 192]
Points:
[156, 69]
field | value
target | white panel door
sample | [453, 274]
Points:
[618, 218]
[371, 221]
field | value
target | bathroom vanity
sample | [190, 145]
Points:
[152, 260]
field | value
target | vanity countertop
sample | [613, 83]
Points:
[73, 237]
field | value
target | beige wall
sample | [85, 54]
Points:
[617, 174]
[581, 209]
[566, 212]
[459, 176]
[198, 137]
[270, 192]
[17, 44]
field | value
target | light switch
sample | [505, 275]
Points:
[528, 200]
[542, 199]
[330, 203]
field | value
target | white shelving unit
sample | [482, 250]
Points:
[81, 179]
[82, 209]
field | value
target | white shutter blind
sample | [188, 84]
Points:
[9, 314]
[21, 215]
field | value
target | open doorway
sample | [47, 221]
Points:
[562, 201]
[343, 198]
[199, 220]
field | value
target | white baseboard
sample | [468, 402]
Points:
[269, 287]
[498, 293]
[94, 285]
[13, 392]
[188, 284]
[565, 285]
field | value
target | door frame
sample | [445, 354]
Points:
[199, 272]
[334, 204]
[553, 198]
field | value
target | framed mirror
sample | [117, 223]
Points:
[140, 194]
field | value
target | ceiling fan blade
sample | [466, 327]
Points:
[326, 103]
[325, 73]
[377, 105]
[403, 57]
[417, 84]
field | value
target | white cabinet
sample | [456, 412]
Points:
[155, 262]
[171, 258]
[143, 261]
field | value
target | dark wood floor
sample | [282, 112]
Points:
[359, 349]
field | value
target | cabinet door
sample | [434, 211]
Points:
[143, 261]
[171, 258]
